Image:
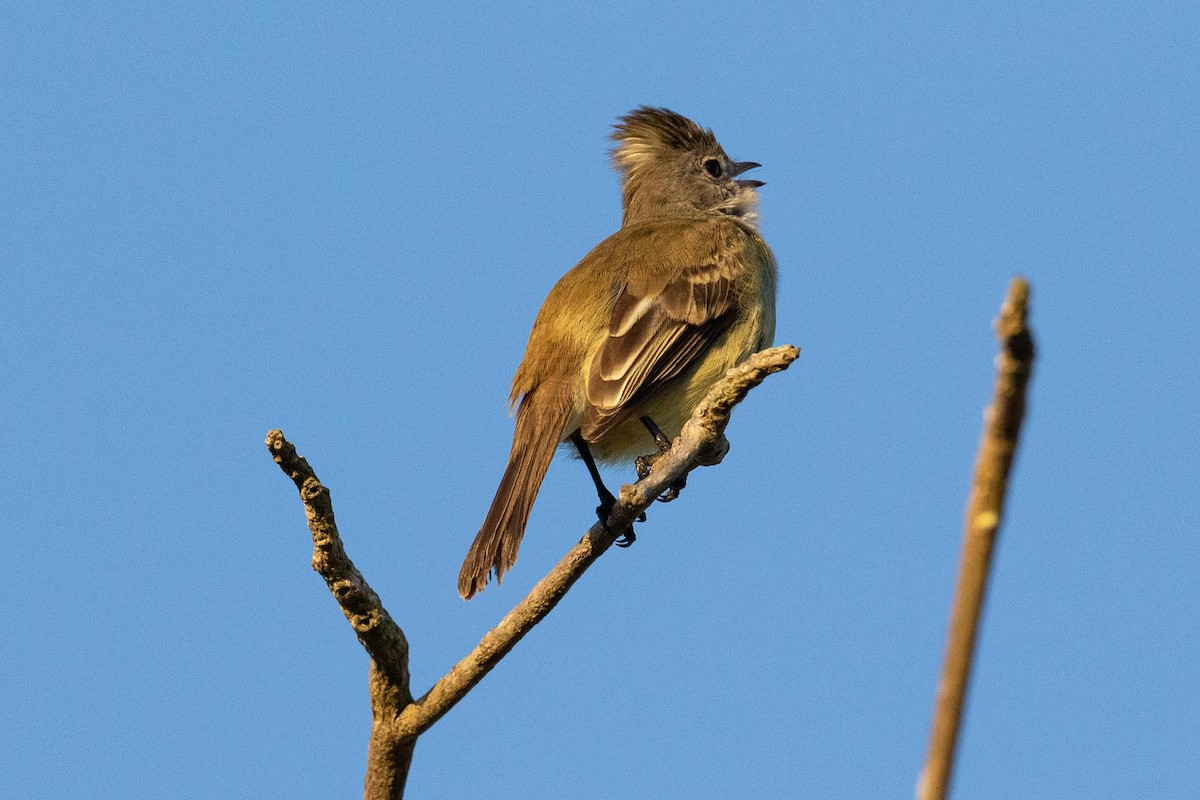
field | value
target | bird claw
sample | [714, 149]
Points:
[643, 465]
[673, 490]
[604, 509]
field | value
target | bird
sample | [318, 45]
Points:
[629, 341]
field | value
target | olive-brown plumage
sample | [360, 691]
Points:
[642, 326]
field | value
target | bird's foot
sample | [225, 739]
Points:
[643, 465]
[607, 501]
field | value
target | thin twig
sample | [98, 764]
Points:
[985, 508]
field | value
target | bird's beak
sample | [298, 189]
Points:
[744, 166]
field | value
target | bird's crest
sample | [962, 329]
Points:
[648, 133]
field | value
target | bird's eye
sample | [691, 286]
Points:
[713, 167]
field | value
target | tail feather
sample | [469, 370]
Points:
[542, 415]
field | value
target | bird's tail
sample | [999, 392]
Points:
[541, 418]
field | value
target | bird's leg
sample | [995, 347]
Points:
[644, 463]
[607, 501]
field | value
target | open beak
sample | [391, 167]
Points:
[744, 166]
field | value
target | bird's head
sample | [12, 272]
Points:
[671, 167]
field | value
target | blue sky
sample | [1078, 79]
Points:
[340, 221]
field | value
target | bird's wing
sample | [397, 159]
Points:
[658, 328]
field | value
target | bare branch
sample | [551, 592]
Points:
[397, 719]
[998, 445]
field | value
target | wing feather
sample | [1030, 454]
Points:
[653, 337]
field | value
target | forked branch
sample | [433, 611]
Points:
[398, 719]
